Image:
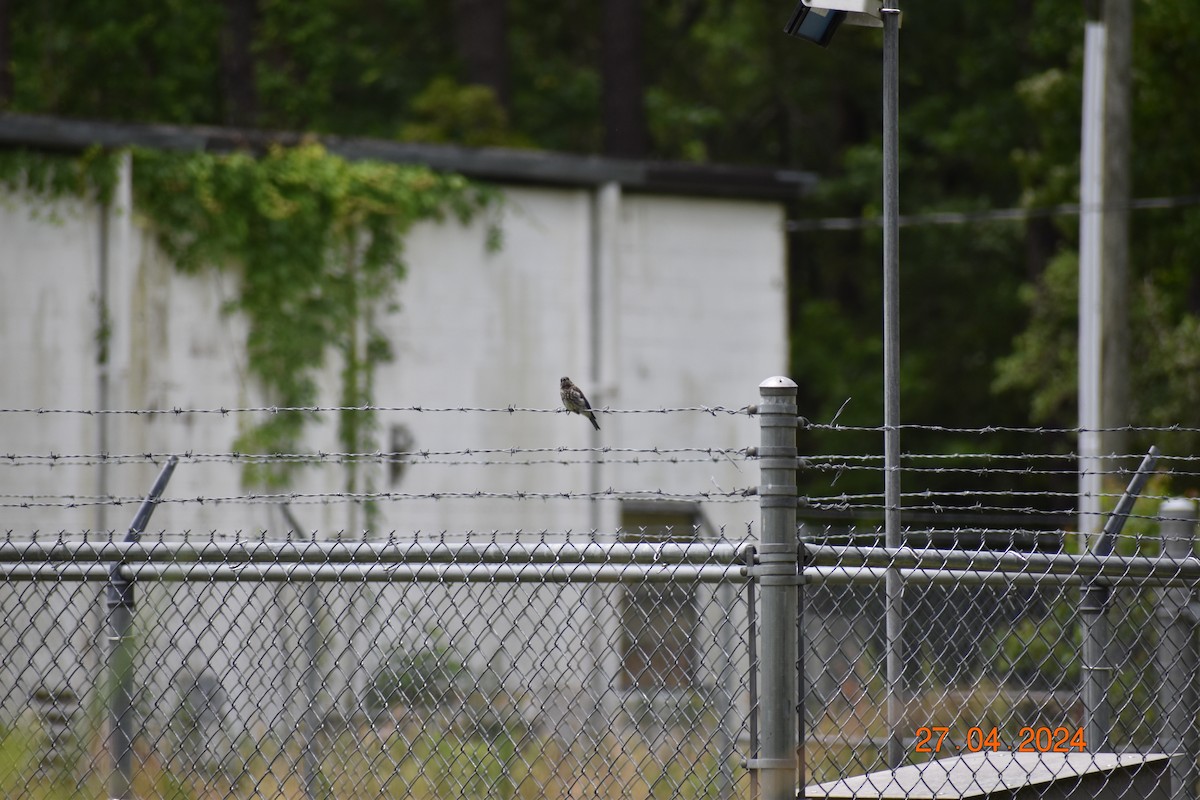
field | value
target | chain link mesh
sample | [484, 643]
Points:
[1038, 656]
[477, 683]
[991, 665]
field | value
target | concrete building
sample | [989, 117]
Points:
[652, 285]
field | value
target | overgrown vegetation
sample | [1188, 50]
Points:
[316, 243]
[426, 762]
[49, 176]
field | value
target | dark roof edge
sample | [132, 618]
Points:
[495, 164]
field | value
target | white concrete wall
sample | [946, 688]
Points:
[691, 313]
[688, 310]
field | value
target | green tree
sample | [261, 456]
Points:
[1165, 288]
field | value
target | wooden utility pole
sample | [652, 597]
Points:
[1117, 193]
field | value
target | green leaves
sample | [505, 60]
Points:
[1043, 364]
[52, 176]
[317, 243]
[447, 112]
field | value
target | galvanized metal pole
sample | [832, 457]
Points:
[310, 718]
[120, 653]
[1097, 673]
[894, 585]
[1091, 290]
[120, 671]
[601, 601]
[777, 575]
[1177, 657]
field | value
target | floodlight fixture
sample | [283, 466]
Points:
[817, 20]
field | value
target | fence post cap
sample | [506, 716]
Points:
[1177, 507]
[778, 382]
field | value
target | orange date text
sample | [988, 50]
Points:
[1030, 739]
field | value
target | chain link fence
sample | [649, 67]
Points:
[661, 656]
[368, 669]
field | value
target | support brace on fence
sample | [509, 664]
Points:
[120, 653]
[778, 579]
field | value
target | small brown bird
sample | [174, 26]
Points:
[574, 400]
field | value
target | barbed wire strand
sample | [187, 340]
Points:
[668, 454]
[328, 461]
[927, 494]
[222, 411]
[988, 429]
[513, 409]
[1016, 214]
[948, 509]
[326, 498]
[1069, 456]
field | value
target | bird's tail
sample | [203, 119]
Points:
[592, 417]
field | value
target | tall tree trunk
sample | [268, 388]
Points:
[1118, 149]
[239, 87]
[624, 111]
[6, 78]
[480, 32]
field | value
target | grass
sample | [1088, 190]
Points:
[402, 764]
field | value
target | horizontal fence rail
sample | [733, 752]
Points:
[372, 552]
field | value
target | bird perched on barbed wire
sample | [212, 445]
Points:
[576, 403]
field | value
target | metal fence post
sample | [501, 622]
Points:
[120, 671]
[777, 576]
[1097, 673]
[310, 719]
[1176, 656]
[894, 586]
[120, 655]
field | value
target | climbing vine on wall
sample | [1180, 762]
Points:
[52, 176]
[317, 244]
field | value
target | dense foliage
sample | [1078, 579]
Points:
[990, 119]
